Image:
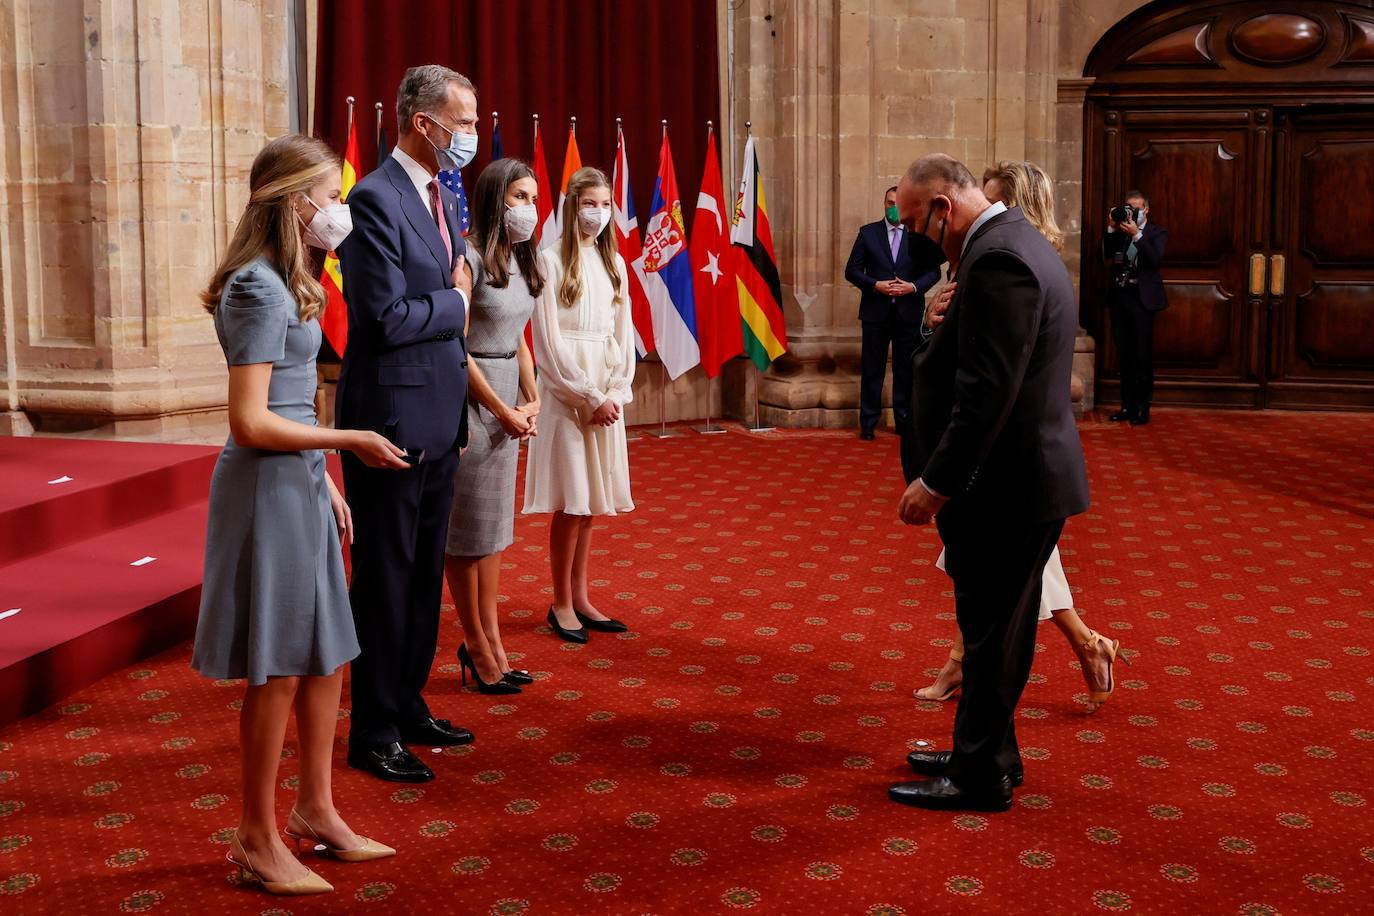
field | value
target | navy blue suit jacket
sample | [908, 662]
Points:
[404, 371]
[918, 262]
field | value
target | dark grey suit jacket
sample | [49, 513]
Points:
[992, 425]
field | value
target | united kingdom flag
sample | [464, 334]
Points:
[453, 180]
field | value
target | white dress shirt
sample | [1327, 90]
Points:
[418, 174]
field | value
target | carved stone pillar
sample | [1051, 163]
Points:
[126, 134]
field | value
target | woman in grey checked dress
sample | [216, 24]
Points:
[274, 606]
[505, 282]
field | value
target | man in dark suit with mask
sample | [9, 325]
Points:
[893, 269]
[993, 457]
[404, 375]
[1133, 248]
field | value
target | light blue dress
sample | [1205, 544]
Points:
[275, 599]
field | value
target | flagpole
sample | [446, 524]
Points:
[630, 434]
[708, 428]
[758, 426]
[663, 431]
[377, 135]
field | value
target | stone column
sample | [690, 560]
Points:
[844, 94]
[126, 133]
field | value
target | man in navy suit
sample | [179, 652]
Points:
[404, 375]
[893, 269]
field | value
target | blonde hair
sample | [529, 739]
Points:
[570, 289]
[1025, 185]
[287, 166]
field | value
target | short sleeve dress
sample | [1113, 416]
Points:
[585, 356]
[483, 517]
[274, 600]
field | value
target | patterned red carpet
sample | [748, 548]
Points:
[733, 752]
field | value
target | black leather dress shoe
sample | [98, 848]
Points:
[934, 763]
[609, 625]
[1141, 418]
[866, 435]
[579, 635]
[940, 794]
[391, 762]
[1122, 414]
[435, 733]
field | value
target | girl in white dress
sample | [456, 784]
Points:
[579, 465]
[1025, 185]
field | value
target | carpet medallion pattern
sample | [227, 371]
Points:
[732, 752]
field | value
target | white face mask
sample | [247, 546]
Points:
[520, 222]
[329, 226]
[593, 220]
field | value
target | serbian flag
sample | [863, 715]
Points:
[665, 269]
[756, 269]
[627, 241]
[713, 269]
[553, 226]
[334, 321]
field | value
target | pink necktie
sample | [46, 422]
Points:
[438, 201]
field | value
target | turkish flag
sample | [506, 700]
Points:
[719, 334]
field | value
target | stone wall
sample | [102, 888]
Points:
[126, 133]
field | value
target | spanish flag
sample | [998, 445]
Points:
[334, 321]
[756, 269]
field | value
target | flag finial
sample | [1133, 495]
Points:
[665, 127]
[349, 100]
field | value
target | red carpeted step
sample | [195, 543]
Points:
[71, 615]
[111, 484]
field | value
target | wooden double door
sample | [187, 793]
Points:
[1267, 190]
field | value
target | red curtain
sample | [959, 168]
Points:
[640, 60]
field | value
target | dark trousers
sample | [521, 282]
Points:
[996, 564]
[400, 522]
[1133, 332]
[902, 337]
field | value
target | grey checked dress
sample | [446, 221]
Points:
[482, 521]
[275, 600]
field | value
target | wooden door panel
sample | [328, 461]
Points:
[1196, 169]
[1323, 318]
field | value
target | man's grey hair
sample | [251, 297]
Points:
[940, 170]
[425, 89]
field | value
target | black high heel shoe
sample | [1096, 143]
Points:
[501, 686]
[609, 625]
[579, 635]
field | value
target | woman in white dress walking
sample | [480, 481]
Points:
[579, 465]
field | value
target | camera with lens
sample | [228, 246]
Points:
[1125, 213]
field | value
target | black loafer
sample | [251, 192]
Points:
[579, 635]
[609, 625]
[391, 762]
[866, 435]
[1142, 418]
[934, 763]
[435, 733]
[941, 794]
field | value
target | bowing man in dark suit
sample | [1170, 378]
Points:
[404, 374]
[1133, 249]
[994, 458]
[893, 269]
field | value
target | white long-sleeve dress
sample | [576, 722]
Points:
[585, 356]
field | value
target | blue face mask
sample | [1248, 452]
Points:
[460, 150]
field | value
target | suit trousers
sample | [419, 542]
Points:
[996, 564]
[1133, 333]
[400, 523]
[878, 336]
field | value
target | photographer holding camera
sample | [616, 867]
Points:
[1133, 248]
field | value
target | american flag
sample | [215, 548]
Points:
[453, 180]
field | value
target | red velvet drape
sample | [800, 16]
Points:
[640, 60]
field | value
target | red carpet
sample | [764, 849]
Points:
[733, 752]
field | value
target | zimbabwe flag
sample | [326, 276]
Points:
[334, 321]
[756, 269]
